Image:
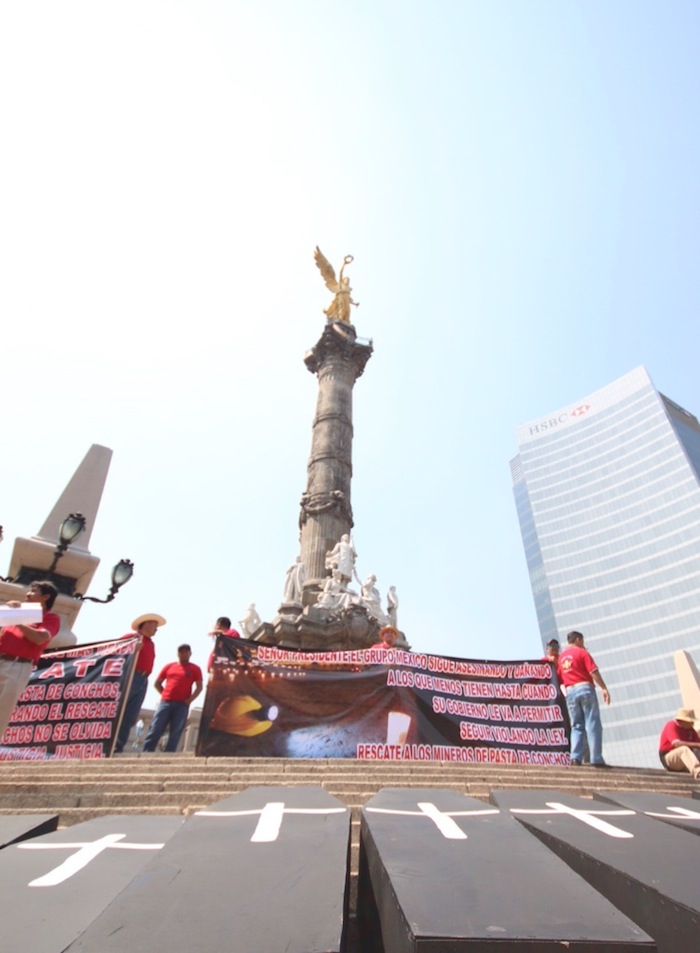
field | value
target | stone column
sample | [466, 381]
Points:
[338, 359]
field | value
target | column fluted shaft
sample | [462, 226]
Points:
[326, 511]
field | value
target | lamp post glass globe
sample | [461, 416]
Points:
[71, 528]
[122, 573]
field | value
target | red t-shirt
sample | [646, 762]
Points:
[12, 642]
[147, 655]
[672, 731]
[179, 680]
[381, 649]
[228, 634]
[575, 665]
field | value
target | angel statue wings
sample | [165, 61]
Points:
[339, 308]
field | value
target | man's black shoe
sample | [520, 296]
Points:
[601, 764]
[575, 763]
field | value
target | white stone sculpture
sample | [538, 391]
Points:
[250, 621]
[331, 595]
[342, 558]
[371, 599]
[392, 606]
[294, 582]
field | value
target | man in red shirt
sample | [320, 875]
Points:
[22, 645]
[222, 626]
[175, 684]
[388, 636]
[679, 744]
[146, 626]
[577, 674]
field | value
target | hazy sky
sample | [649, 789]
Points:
[518, 183]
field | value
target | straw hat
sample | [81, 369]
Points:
[686, 714]
[147, 617]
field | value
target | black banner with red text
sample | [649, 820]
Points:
[380, 704]
[73, 703]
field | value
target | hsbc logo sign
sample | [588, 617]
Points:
[551, 423]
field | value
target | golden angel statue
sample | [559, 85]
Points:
[339, 308]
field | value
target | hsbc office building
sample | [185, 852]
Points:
[608, 498]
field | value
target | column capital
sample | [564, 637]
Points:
[339, 344]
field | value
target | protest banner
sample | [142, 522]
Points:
[380, 704]
[73, 703]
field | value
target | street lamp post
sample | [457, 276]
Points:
[121, 574]
[71, 527]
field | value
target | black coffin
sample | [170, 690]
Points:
[682, 812]
[17, 827]
[443, 872]
[647, 869]
[53, 887]
[264, 871]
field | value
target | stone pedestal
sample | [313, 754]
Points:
[317, 629]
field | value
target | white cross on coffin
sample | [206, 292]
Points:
[591, 818]
[85, 852]
[442, 819]
[271, 816]
[677, 812]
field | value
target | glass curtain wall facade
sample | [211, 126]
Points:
[608, 498]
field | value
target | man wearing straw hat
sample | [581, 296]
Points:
[146, 626]
[679, 744]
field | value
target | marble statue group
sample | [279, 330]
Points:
[336, 593]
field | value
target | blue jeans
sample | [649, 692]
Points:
[582, 702]
[170, 715]
[139, 687]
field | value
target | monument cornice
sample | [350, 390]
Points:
[338, 347]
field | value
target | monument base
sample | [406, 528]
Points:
[320, 630]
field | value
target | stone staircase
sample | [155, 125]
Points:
[182, 783]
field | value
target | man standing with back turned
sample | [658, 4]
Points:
[578, 673]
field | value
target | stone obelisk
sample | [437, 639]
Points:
[32, 557]
[337, 359]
